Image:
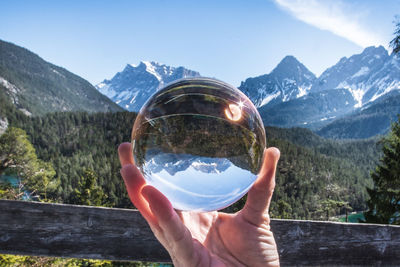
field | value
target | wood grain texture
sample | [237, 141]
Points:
[31, 228]
[330, 243]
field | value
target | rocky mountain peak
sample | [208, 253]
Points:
[289, 80]
[291, 68]
[131, 87]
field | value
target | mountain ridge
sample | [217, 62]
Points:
[290, 95]
[131, 87]
[372, 120]
[341, 91]
[290, 79]
[38, 87]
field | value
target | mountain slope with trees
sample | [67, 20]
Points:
[384, 202]
[311, 170]
[38, 87]
[372, 120]
[384, 196]
[343, 102]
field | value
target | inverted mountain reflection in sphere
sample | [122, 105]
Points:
[200, 142]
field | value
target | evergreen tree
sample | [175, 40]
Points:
[18, 157]
[17, 154]
[88, 192]
[384, 203]
[395, 43]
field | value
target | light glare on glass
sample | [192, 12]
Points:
[233, 112]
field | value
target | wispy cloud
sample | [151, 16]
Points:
[333, 16]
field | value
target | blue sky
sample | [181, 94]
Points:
[230, 40]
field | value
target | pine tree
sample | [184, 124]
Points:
[88, 192]
[384, 203]
[17, 154]
[395, 43]
[18, 158]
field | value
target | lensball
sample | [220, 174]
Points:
[200, 142]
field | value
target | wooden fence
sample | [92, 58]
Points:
[32, 228]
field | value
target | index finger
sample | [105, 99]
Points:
[134, 180]
[125, 153]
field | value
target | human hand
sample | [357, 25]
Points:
[212, 238]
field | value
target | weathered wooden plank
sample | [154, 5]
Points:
[330, 243]
[33, 228]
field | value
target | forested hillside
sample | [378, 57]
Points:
[78, 142]
[312, 170]
[38, 87]
[317, 175]
[371, 120]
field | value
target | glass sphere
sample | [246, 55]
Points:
[200, 142]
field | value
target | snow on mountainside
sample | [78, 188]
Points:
[373, 119]
[289, 80]
[367, 76]
[290, 95]
[135, 84]
[182, 162]
[352, 84]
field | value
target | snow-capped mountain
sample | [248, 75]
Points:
[131, 87]
[372, 119]
[367, 76]
[347, 88]
[173, 163]
[288, 81]
[312, 110]
[290, 95]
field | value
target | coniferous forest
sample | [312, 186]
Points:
[317, 178]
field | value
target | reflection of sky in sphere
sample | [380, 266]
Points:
[201, 186]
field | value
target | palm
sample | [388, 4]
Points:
[231, 238]
[209, 239]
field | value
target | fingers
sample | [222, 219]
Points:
[134, 180]
[134, 183]
[125, 154]
[159, 204]
[155, 208]
[177, 237]
[259, 196]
